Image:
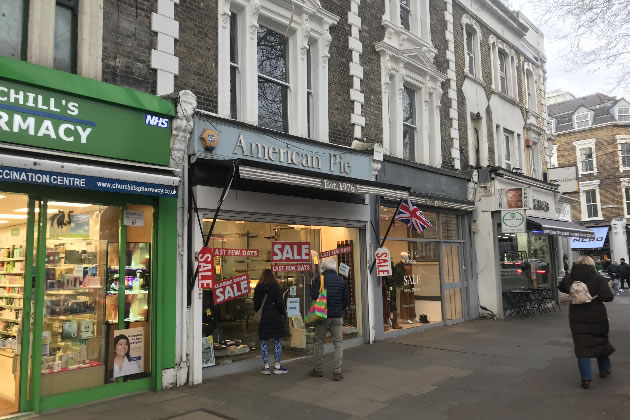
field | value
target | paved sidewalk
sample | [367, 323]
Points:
[513, 369]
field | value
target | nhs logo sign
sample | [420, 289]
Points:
[156, 121]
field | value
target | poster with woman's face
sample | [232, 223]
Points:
[514, 198]
[128, 352]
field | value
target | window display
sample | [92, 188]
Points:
[525, 260]
[243, 249]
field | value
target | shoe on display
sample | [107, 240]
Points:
[409, 321]
[265, 371]
[280, 370]
[425, 319]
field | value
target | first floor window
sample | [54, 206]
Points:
[309, 93]
[590, 197]
[409, 124]
[586, 159]
[66, 26]
[503, 73]
[273, 86]
[405, 14]
[507, 138]
[12, 28]
[235, 69]
[625, 155]
[470, 51]
[627, 199]
[623, 114]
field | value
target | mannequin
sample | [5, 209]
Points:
[407, 295]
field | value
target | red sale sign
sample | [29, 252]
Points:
[290, 267]
[205, 268]
[383, 262]
[291, 252]
[230, 289]
[342, 250]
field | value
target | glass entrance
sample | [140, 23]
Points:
[451, 273]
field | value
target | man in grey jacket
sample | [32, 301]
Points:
[338, 301]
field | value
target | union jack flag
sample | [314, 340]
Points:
[409, 214]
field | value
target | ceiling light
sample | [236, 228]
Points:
[65, 204]
[24, 210]
[13, 216]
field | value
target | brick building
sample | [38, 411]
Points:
[593, 134]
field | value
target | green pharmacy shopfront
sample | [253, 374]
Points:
[87, 239]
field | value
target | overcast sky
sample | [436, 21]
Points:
[579, 82]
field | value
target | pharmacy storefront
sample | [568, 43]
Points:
[87, 252]
[292, 203]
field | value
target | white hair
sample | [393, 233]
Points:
[329, 264]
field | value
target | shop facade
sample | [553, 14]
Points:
[432, 282]
[287, 192]
[85, 190]
[526, 232]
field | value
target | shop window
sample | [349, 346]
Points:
[590, 197]
[405, 14]
[400, 231]
[531, 89]
[273, 80]
[450, 226]
[13, 28]
[227, 317]
[409, 124]
[507, 150]
[85, 342]
[235, 70]
[524, 262]
[66, 27]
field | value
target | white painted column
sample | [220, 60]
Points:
[249, 66]
[195, 312]
[424, 147]
[90, 39]
[489, 284]
[385, 114]
[396, 143]
[163, 58]
[436, 154]
[618, 239]
[223, 61]
[298, 45]
[319, 69]
[41, 32]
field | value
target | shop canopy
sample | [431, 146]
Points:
[561, 228]
[592, 243]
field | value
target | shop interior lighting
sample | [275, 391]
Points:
[2, 196]
[13, 216]
[4, 221]
[24, 210]
[65, 204]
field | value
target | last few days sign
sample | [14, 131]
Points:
[48, 119]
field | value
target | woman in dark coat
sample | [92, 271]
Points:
[589, 321]
[272, 320]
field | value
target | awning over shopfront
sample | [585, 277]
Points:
[561, 228]
[350, 186]
[593, 243]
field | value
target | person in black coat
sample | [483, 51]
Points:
[589, 321]
[337, 300]
[272, 320]
[624, 272]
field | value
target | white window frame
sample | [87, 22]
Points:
[625, 115]
[579, 146]
[531, 95]
[413, 127]
[625, 184]
[309, 30]
[590, 186]
[504, 86]
[622, 140]
[419, 18]
[235, 108]
[508, 149]
[511, 83]
[470, 25]
[577, 121]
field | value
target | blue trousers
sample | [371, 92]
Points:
[277, 350]
[584, 364]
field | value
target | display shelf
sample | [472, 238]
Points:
[92, 364]
[8, 353]
[68, 265]
[11, 295]
[17, 321]
[71, 316]
[11, 285]
[11, 259]
[11, 272]
[10, 306]
[8, 333]
[82, 290]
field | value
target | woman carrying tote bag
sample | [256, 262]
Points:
[268, 300]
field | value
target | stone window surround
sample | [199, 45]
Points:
[625, 183]
[583, 144]
[398, 73]
[590, 185]
[41, 36]
[467, 20]
[420, 24]
[511, 66]
[621, 139]
[309, 29]
[517, 157]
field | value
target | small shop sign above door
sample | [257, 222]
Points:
[513, 221]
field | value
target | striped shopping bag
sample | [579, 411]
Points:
[319, 309]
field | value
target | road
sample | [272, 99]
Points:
[512, 369]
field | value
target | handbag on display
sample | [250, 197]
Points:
[258, 315]
[319, 309]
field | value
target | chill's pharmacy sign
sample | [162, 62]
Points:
[47, 119]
